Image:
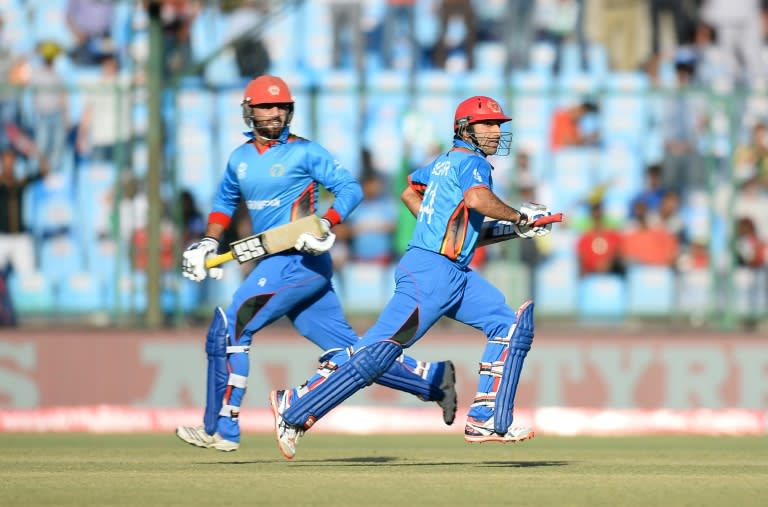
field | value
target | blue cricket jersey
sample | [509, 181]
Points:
[280, 184]
[444, 223]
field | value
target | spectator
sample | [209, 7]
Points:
[751, 159]
[559, 21]
[599, 247]
[749, 249]
[669, 215]
[176, 17]
[682, 22]
[16, 243]
[346, 26]
[711, 60]
[519, 32]
[694, 257]
[752, 202]
[458, 32]
[740, 35]
[618, 25]
[566, 126]
[102, 134]
[648, 242]
[398, 45]
[50, 106]
[373, 223]
[654, 191]
[192, 220]
[90, 21]
[683, 121]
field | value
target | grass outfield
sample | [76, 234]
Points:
[333, 471]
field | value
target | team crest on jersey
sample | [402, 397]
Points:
[241, 170]
[277, 170]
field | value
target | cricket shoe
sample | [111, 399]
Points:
[286, 434]
[448, 386]
[196, 435]
[483, 431]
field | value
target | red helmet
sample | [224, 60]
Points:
[267, 89]
[477, 109]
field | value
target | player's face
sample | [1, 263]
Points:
[269, 119]
[490, 137]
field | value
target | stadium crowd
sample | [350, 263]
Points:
[652, 138]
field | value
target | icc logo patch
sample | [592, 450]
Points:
[277, 170]
[241, 170]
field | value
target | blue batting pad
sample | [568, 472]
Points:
[365, 366]
[519, 345]
[216, 349]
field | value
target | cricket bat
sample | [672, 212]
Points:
[494, 231]
[272, 241]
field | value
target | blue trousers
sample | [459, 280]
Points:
[428, 287]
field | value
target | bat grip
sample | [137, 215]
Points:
[218, 260]
[550, 219]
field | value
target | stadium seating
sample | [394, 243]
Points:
[602, 297]
[32, 293]
[650, 291]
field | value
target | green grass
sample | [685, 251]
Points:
[329, 470]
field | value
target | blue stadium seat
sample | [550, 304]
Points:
[750, 291]
[555, 287]
[60, 256]
[574, 175]
[387, 102]
[338, 113]
[650, 290]
[32, 293]
[694, 292]
[80, 293]
[602, 297]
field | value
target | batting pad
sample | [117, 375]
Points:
[362, 369]
[519, 345]
[216, 349]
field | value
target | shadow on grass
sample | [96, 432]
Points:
[398, 462]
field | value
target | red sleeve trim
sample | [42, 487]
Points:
[217, 217]
[332, 216]
[419, 188]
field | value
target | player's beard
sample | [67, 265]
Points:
[269, 129]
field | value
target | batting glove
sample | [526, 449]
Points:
[193, 260]
[531, 212]
[313, 245]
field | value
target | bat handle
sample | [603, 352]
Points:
[218, 260]
[550, 219]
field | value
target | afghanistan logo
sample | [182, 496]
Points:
[494, 106]
[273, 90]
[277, 170]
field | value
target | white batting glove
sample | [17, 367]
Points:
[313, 245]
[533, 211]
[193, 260]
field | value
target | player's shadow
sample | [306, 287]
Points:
[523, 464]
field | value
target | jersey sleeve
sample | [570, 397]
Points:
[326, 170]
[419, 179]
[475, 173]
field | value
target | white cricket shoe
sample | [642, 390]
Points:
[286, 434]
[483, 431]
[448, 385]
[196, 435]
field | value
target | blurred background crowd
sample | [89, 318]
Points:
[645, 121]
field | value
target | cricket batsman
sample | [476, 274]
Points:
[278, 175]
[450, 198]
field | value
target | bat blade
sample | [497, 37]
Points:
[272, 241]
[494, 231]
